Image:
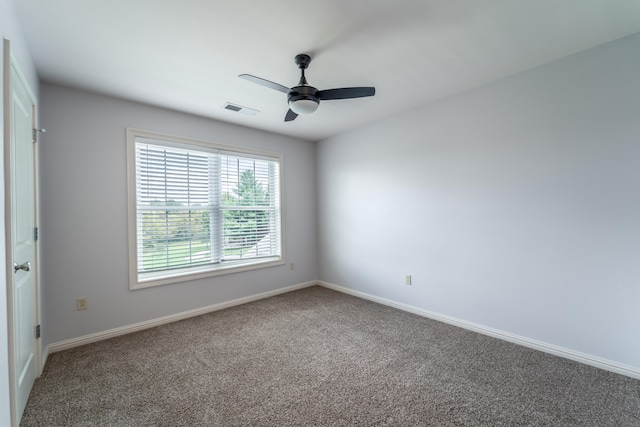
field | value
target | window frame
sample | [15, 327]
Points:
[166, 277]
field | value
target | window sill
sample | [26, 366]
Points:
[165, 278]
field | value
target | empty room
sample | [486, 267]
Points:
[281, 213]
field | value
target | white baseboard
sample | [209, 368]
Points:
[506, 336]
[123, 330]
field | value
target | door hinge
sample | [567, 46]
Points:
[37, 331]
[35, 134]
[35, 233]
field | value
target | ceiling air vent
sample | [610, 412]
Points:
[240, 109]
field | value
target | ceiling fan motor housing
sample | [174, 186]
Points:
[303, 99]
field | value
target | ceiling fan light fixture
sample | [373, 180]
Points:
[303, 106]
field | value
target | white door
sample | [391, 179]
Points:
[23, 313]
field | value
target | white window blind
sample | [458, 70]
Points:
[200, 208]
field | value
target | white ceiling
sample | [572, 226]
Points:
[186, 55]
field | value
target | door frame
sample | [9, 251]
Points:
[9, 63]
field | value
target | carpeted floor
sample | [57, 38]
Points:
[319, 357]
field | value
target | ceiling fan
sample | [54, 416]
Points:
[303, 98]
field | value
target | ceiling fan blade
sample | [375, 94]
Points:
[346, 93]
[263, 82]
[290, 116]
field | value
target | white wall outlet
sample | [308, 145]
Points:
[292, 266]
[82, 303]
[407, 279]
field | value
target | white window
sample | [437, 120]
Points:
[198, 209]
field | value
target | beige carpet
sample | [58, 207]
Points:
[318, 357]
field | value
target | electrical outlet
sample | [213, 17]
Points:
[292, 266]
[407, 279]
[82, 303]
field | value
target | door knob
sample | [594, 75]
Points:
[25, 266]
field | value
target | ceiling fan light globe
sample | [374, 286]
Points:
[303, 106]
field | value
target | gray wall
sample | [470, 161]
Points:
[515, 206]
[10, 30]
[84, 209]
